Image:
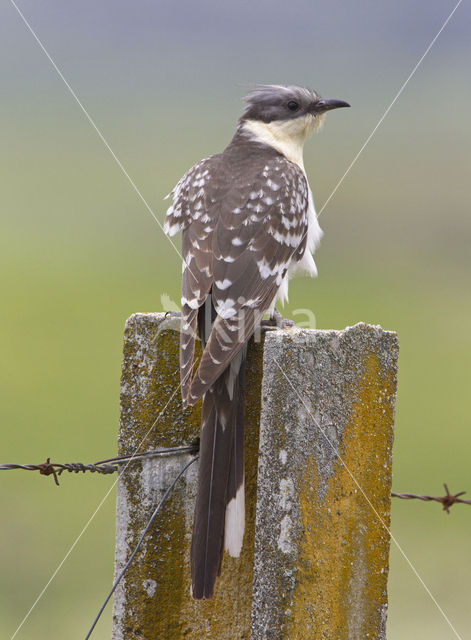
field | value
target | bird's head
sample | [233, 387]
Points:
[286, 111]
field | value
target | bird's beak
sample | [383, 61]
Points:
[325, 104]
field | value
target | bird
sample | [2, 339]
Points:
[248, 224]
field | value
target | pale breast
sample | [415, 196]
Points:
[306, 264]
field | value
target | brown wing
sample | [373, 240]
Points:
[260, 229]
[189, 196]
[194, 211]
[243, 224]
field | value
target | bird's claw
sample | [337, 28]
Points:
[276, 321]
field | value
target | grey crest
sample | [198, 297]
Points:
[269, 102]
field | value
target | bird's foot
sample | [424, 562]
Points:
[276, 321]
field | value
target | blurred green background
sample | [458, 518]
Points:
[79, 253]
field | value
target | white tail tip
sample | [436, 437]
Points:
[235, 523]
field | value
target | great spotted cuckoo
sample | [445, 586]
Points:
[248, 223]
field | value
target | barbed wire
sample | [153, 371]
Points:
[111, 465]
[105, 467]
[447, 501]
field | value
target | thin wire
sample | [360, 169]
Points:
[105, 467]
[74, 544]
[74, 95]
[111, 462]
[143, 535]
[153, 453]
[90, 119]
[388, 109]
[95, 127]
[335, 450]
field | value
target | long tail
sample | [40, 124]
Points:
[219, 510]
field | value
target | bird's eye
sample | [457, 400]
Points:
[293, 105]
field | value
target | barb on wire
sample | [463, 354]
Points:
[447, 501]
[136, 548]
[110, 465]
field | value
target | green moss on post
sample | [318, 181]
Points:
[153, 600]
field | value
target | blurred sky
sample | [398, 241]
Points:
[79, 251]
[164, 83]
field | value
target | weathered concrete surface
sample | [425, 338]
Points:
[153, 600]
[317, 568]
[326, 434]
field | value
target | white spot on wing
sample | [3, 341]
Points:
[252, 303]
[266, 271]
[223, 284]
[225, 308]
[193, 303]
[171, 229]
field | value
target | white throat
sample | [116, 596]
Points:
[286, 136]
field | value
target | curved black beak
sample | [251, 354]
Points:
[325, 104]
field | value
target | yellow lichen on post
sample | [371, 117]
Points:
[322, 540]
[335, 557]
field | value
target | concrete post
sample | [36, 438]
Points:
[153, 601]
[324, 483]
[315, 563]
